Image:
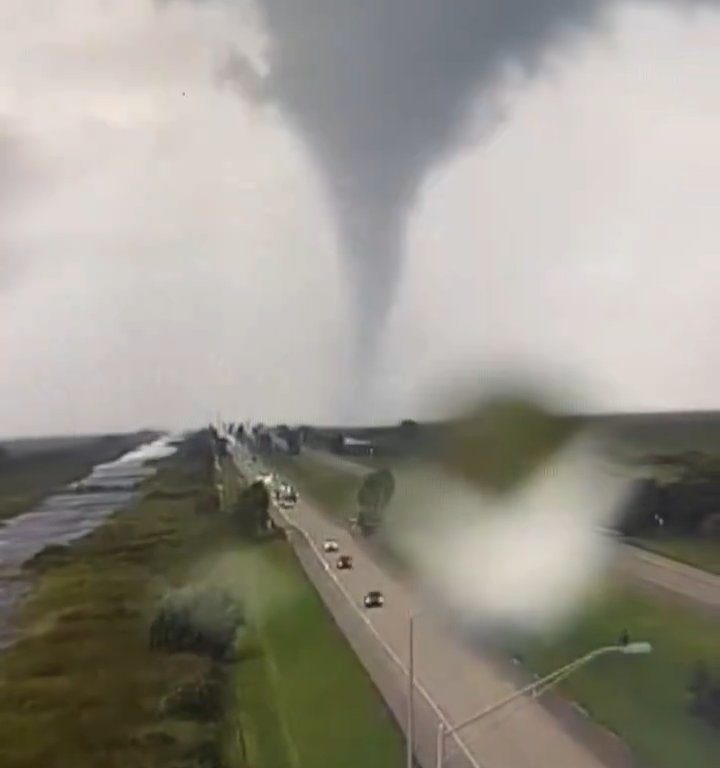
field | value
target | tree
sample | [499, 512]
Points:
[252, 509]
[373, 498]
[705, 694]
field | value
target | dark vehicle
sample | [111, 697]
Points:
[344, 562]
[374, 599]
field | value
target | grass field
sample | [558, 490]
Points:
[644, 699]
[304, 698]
[308, 688]
[28, 476]
[332, 489]
[81, 688]
[704, 554]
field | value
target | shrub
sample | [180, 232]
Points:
[197, 621]
[705, 695]
[199, 699]
[373, 498]
[252, 509]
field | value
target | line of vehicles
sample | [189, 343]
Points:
[374, 598]
[283, 493]
[286, 496]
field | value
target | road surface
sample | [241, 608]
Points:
[696, 588]
[453, 682]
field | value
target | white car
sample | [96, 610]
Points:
[330, 545]
[374, 599]
[268, 478]
[286, 496]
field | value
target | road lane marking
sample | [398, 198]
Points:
[386, 647]
[418, 685]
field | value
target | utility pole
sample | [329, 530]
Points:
[411, 692]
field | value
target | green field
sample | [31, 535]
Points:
[310, 700]
[304, 698]
[644, 699]
[81, 687]
[704, 554]
[332, 489]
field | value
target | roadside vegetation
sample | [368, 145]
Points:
[651, 701]
[665, 706]
[695, 552]
[27, 476]
[331, 488]
[676, 510]
[303, 699]
[83, 686]
[182, 635]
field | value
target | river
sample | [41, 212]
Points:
[68, 515]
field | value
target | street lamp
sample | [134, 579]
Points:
[538, 687]
[411, 691]
[410, 728]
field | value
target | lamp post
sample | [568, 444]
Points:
[537, 687]
[411, 691]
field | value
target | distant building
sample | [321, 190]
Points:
[355, 446]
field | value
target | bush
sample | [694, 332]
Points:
[373, 498]
[705, 695]
[197, 621]
[252, 509]
[199, 699]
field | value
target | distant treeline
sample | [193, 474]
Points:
[685, 502]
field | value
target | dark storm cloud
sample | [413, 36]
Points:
[381, 90]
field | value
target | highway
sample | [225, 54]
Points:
[691, 586]
[453, 682]
[696, 588]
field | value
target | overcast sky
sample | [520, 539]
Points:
[170, 247]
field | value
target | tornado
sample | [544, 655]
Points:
[382, 91]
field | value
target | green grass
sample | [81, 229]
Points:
[641, 698]
[700, 553]
[305, 700]
[26, 479]
[81, 687]
[308, 689]
[331, 488]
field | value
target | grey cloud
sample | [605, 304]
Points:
[381, 89]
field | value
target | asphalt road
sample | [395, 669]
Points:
[453, 682]
[692, 586]
[696, 588]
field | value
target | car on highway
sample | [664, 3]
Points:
[330, 545]
[344, 563]
[286, 496]
[269, 479]
[374, 599]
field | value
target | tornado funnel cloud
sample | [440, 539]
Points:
[381, 91]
